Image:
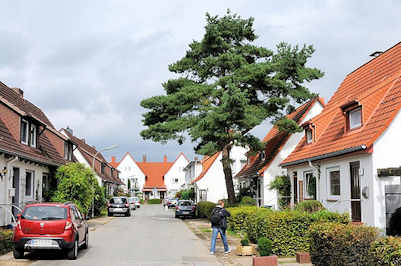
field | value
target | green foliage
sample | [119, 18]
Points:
[341, 244]
[386, 251]
[245, 242]
[226, 86]
[204, 209]
[100, 200]
[154, 201]
[265, 246]
[6, 243]
[283, 185]
[186, 194]
[287, 229]
[309, 206]
[76, 183]
[248, 201]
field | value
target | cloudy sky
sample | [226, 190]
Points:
[88, 64]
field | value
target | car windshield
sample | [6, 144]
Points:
[185, 203]
[118, 201]
[131, 200]
[45, 213]
[136, 199]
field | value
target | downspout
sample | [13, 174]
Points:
[8, 177]
[317, 170]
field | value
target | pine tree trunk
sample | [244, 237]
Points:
[228, 173]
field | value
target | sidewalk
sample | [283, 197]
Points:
[201, 228]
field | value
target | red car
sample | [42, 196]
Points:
[50, 226]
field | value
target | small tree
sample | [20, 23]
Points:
[283, 185]
[226, 86]
[76, 183]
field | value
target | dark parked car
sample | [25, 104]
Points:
[118, 205]
[50, 226]
[185, 208]
[172, 203]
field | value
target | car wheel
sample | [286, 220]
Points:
[73, 253]
[86, 244]
[18, 253]
[128, 214]
[109, 214]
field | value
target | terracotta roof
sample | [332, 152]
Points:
[376, 86]
[274, 141]
[113, 162]
[207, 162]
[154, 172]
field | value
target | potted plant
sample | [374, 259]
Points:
[245, 249]
[265, 251]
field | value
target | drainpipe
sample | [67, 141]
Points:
[317, 170]
[9, 172]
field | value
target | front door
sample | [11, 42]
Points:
[15, 198]
[295, 187]
[355, 192]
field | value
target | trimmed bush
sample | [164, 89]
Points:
[154, 201]
[309, 206]
[341, 244]
[248, 201]
[6, 243]
[386, 251]
[204, 209]
[244, 242]
[264, 246]
[288, 230]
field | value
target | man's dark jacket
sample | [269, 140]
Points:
[225, 214]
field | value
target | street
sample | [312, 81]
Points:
[151, 236]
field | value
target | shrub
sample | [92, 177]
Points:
[283, 185]
[204, 209]
[237, 222]
[309, 206]
[340, 244]
[248, 201]
[100, 200]
[386, 251]
[6, 243]
[264, 246]
[244, 242]
[154, 201]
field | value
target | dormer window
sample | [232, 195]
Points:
[32, 135]
[24, 132]
[29, 133]
[355, 118]
[68, 150]
[262, 155]
[102, 168]
[309, 135]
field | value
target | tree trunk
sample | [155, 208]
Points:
[228, 174]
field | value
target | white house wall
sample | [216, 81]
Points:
[270, 197]
[130, 170]
[176, 172]
[81, 159]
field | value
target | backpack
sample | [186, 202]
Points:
[216, 217]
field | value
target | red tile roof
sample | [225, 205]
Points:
[154, 172]
[274, 141]
[207, 162]
[376, 85]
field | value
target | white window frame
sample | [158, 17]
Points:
[32, 139]
[359, 124]
[32, 191]
[26, 132]
[309, 137]
[263, 155]
[305, 184]
[329, 193]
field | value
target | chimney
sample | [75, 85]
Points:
[196, 159]
[70, 130]
[376, 54]
[144, 158]
[165, 158]
[19, 91]
[83, 140]
[113, 159]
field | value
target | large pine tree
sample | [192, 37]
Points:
[226, 86]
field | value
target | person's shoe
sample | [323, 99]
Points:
[227, 252]
[211, 253]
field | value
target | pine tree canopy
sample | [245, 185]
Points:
[225, 86]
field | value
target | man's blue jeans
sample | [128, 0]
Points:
[215, 232]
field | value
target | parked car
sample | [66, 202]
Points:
[185, 208]
[172, 203]
[131, 201]
[118, 205]
[50, 226]
[137, 202]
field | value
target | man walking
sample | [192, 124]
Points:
[219, 225]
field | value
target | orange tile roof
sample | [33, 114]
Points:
[274, 141]
[207, 162]
[376, 85]
[154, 172]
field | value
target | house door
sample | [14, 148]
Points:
[355, 192]
[15, 198]
[295, 188]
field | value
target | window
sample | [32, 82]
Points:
[202, 195]
[175, 180]
[68, 150]
[309, 135]
[102, 168]
[24, 132]
[243, 163]
[309, 185]
[262, 155]
[334, 182]
[32, 135]
[45, 183]
[355, 118]
[28, 184]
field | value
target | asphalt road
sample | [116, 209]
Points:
[151, 236]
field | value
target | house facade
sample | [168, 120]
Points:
[338, 160]
[175, 176]
[210, 184]
[31, 149]
[261, 169]
[129, 170]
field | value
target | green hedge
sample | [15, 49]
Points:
[204, 209]
[341, 244]
[246, 200]
[288, 230]
[6, 243]
[154, 201]
[309, 206]
[386, 251]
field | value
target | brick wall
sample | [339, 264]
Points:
[12, 121]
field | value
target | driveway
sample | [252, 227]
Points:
[151, 236]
